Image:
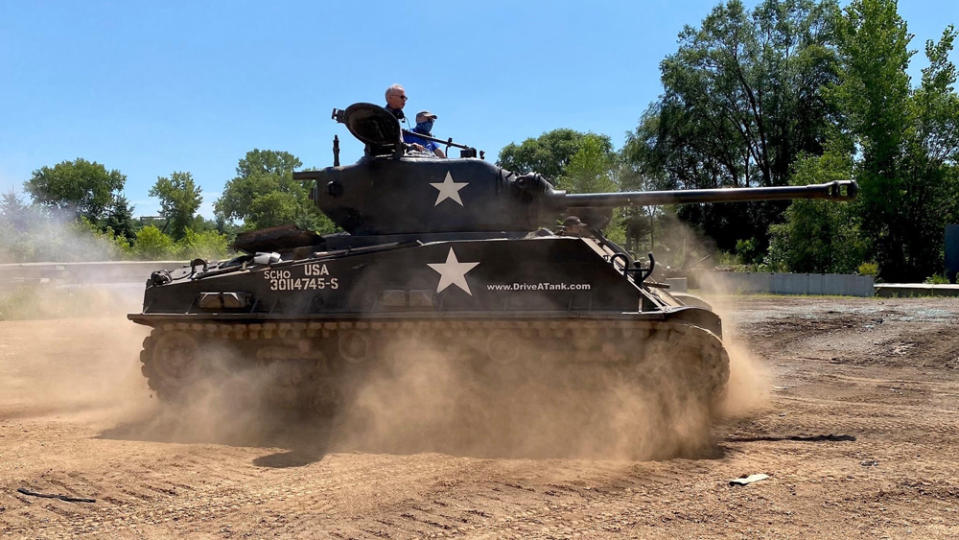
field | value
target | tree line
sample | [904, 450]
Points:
[79, 212]
[790, 92]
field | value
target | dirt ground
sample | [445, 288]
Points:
[855, 423]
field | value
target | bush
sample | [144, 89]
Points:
[109, 244]
[937, 279]
[210, 245]
[748, 250]
[868, 269]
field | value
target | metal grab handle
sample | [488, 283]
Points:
[638, 272]
[197, 262]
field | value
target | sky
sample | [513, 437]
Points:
[149, 88]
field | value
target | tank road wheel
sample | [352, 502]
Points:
[169, 361]
[353, 346]
[684, 366]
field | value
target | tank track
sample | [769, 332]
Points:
[312, 365]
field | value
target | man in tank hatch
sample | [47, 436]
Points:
[395, 101]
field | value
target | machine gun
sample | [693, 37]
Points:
[465, 151]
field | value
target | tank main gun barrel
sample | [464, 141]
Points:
[841, 190]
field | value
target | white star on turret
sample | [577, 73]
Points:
[453, 272]
[448, 189]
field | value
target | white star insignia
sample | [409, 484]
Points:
[453, 272]
[448, 189]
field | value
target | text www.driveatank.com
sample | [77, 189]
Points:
[541, 286]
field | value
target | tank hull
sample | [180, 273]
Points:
[320, 323]
[480, 279]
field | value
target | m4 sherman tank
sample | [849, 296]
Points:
[455, 252]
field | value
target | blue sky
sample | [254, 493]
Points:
[155, 87]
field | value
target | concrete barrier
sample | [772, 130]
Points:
[782, 283]
[915, 289]
[82, 272]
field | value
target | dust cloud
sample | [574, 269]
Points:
[420, 398]
[51, 301]
[533, 406]
[609, 402]
[51, 235]
[69, 367]
[415, 398]
[228, 404]
[528, 406]
[66, 348]
[748, 389]
[749, 381]
[54, 236]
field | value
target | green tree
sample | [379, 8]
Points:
[742, 99]
[119, 219]
[180, 198]
[201, 224]
[819, 236]
[15, 215]
[590, 169]
[931, 156]
[267, 162]
[550, 153]
[16, 219]
[264, 194]
[907, 137]
[85, 188]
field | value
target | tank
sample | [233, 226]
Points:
[510, 274]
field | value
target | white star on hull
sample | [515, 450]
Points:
[453, 272]
[448, 189]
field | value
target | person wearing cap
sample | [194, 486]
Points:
[424, 126]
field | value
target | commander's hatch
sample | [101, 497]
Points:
[373, 125]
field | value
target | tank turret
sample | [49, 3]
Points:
[394, 191]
